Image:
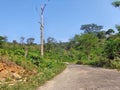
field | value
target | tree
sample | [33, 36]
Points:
[118, 28]
[30, 41]
[51, 40]
[5, 38]
[15, 42]
[51, 44]
[74, 41]
[42, 28]
[109, 31]
[101, 34]
[116, 3]
[2, 40]
[112, 48]
[84, 43]
[22, 40]
[91, 28]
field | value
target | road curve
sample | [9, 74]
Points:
[80, 77]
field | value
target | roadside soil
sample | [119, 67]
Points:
[10, 72]
[81, 77]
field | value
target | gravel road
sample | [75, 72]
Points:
[80, 77]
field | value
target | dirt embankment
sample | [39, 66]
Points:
[9, 71]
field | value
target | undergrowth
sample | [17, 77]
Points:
[38, 69]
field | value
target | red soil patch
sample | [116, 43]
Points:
[10, 71]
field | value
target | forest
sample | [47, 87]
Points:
[95, 46]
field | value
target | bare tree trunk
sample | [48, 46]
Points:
[42, 28]
[42, 36]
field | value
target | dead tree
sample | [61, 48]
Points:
[42, 28]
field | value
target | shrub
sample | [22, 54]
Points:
[112, 48]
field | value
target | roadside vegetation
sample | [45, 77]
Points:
[97, 47]
[22, 67]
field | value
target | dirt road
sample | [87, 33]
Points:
[79, 77]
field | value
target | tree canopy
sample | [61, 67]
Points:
[116, 3]
[110, 31]
[88, 28]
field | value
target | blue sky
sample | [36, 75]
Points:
[62, 18]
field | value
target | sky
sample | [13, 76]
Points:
[62, 18]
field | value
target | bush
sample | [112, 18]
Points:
[115, 64]
[112, 48]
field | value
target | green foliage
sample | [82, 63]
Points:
[118, 28]
[30, 41]
[19, 52]
[91, 28]
[97, 49]
[110, 31]
[58, 51]
[45, 67]
[2, 40]
[45, 73]
[112, 48]
[115, 64]
[116, 3]
[101, 35]
[85, 45]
